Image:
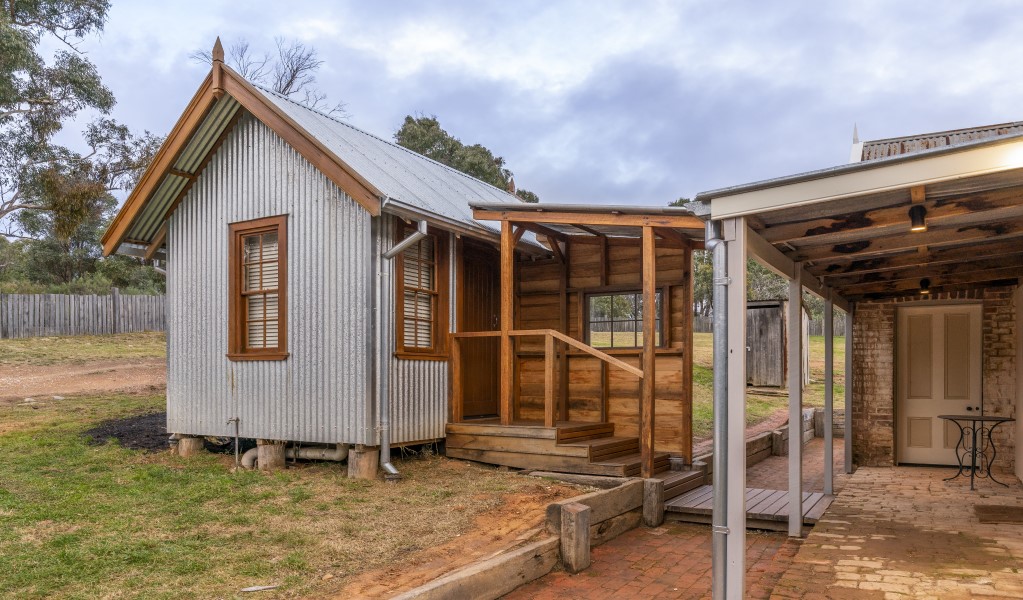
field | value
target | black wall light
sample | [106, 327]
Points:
[917, 220]
[925, 286]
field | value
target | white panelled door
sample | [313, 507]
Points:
[938, 372]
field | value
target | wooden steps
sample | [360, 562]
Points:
[585, 448]
[677, 483]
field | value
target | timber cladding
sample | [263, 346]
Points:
[595, 389]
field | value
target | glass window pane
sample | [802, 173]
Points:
[270, 246]
[250, 245]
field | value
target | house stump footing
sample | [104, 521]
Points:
[363, 461]
[270, 456]
[189, 445]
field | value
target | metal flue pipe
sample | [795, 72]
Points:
[719, 529]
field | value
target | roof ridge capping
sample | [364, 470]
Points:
[377, 137]
[865, 165]
[963, 130]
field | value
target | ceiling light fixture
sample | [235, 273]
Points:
[916, 218]
[925, 286]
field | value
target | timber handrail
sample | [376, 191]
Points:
[549, 356]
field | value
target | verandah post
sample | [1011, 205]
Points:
[829, 395]
[548, 381]
[646, 407]
[795, 367]
[734, 231]
[507, 317]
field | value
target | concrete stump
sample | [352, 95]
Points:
[363, 461]
[190, 445]
[575, 537]
[270, 456]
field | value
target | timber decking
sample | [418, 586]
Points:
[765, 509]
[568, 447]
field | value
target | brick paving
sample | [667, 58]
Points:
[892, 533]
[902, 532]
[672, 561]
[772, 473]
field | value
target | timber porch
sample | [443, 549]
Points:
[561, 362]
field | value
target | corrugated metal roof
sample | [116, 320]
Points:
[889, 147]
[401, 174]
[145, 226]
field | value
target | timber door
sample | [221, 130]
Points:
[938, 372]
[480, 310]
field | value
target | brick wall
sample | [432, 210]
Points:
[874, 372]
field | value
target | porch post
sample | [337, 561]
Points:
[646, 405]
[507, 320]
[735, 473]
[795, 359]
[848, 390]
[829, 394]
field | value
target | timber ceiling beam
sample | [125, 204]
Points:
[944, 281]
[672, 236]
[774, 259]
[931, 271]
[911, 258]
[892, 219]
[595, 219]
[547, 231]
[936, 236]
[853, 297]
[158, 240]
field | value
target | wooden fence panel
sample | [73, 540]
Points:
[35, 315]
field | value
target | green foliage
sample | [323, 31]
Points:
[38, 95]
[425, 136]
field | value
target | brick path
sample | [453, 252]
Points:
[905, 533]
[672, 561]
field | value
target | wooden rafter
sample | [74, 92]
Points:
[157, 243]
[547, 231]
[935, 289]
[892, 219]
[932, 237]
[912, 258]
[168, 153]
[905, 285]
[998, 215]
[933, 271]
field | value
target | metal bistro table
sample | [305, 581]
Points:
[974, 426]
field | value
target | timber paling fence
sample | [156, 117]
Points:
[35, 315]
[704, 324]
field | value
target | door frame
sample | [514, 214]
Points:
[896, 375]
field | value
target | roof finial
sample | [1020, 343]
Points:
[218, 51]
[511, 185]
[856, 134]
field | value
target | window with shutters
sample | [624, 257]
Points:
[258, 305]
[422, 297]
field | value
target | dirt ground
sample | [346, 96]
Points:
[518, 520]
[136, 375]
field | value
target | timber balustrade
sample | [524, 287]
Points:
[551, 336]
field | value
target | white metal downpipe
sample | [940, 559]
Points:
[719, 522]
[382, 380]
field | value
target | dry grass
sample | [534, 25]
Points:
[78, 520]
[82, 349]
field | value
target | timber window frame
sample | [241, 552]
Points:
[268, 235]
[635, 321]
[421, 282]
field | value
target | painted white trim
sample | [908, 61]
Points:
[795, 364]
[904, 174]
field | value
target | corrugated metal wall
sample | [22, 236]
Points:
[419, 388]
[321, 392]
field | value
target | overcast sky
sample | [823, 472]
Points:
[608, 102]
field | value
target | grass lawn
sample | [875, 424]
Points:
[83, 348]
[758, 407]
[87, 521]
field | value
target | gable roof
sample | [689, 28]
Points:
[910, 144]
[376, 173]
